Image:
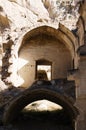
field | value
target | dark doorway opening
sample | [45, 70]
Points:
[43, 115]
[63, 119]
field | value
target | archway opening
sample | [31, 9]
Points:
[43, 114]
[46, 53]
[14, 115]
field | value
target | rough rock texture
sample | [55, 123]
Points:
[18, 17]
[17, 14]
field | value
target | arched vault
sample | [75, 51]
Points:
[33, 94]
[64, 36]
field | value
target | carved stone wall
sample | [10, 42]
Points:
[49, 29]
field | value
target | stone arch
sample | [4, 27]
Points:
[70, 35]
[62, 36]
[44, 42]
[30, 95]
[80, 32]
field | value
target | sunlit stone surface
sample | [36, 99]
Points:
[55, 31]
[21, 14]
[43, 105]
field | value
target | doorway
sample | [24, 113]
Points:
[43, 69]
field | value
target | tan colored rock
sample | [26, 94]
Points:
[22, 13]
[2, 85]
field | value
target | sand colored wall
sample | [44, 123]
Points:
[44, 47]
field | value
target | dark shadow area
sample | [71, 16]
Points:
[15, 99]
[45, 120]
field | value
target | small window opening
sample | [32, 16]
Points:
[43, 70]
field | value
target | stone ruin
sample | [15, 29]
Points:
[51, 33]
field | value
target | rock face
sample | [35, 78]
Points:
[20, 16]
[31, 28]
[22, 13]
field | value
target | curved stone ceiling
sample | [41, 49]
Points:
[31, 95]
[60, 35]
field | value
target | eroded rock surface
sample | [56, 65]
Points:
[15, 14]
